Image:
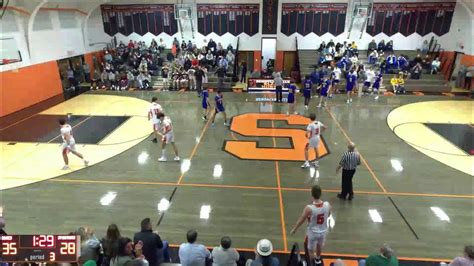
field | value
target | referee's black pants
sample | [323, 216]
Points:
[279, 94]
[347, 183]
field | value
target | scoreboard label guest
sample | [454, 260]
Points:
[39, 248]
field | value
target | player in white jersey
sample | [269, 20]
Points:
[313, 132]
[69, 144]
[370, 75]
[317, 215]
[336, 75]
[167, 136]
[155, 110]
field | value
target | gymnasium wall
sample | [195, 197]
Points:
[460, 31]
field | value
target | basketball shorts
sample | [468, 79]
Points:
[156, 126]
[367, 84]
[71, 146]
[335, 82]
[349, 87]
[168, 138]
[314, 239]
[314, 142]
[220, 109]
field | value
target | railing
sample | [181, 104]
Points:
[296, 67]
[236, 60]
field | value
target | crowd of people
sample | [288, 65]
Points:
[132, 65]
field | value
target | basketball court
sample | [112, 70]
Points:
[245, 181]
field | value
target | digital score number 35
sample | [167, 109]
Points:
[9, 248]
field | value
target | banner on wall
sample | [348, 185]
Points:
[140, 19]
[408, 18]
[228, 18]
[270, 17]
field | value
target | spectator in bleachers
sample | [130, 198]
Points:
[110, 243]
[189, 47]
[466, 260]
[468, 79]
[161, 45]
[263, 255]
[199, 75]
[211, 45]
[191, 253]
[402, 63]
[125, 255]
[151, 242]
[435, 66]
[131, 45]
[183, 46]
[386, 257]
[392, 61]
[192, 78]
[330, 43]
[425, 47]
[210, 59]
[230, 57]
[372, 47]
[220, 72]
[417, 60]
[416, 71]
[223, 62]
[373, 57]
[322, 46]
[224, 255]
[381, 46]
[389, 46]
[112, 80]
[89, 245]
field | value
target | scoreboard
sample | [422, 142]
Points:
[39, 248]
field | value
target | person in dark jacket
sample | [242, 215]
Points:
[372, 47]
[151, 242]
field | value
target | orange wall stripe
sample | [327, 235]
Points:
[19, 10]
[63, 9]
[27, 86]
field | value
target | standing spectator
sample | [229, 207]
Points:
[161, 45]
[87, 72]
[263, 255]
[243, 73]
[224, 255]
[435, 66]
[90, 245]
[425, 47]
[191, 253]
[372, 47]
[131, 79]
[192, 78]
[151, 242]
[199, 75]
[220, 72]
[467, 260]
[468, 80]
[461, 76]
[110, 244]
[278, 87]
[349, 162]
[386, 257]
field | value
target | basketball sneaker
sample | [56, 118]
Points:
[305, 165]
[176, 158]
[66, 167]
[316, 163]
[86, 163]
[318, 106]
[162, 159]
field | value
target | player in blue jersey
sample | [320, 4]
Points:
[307, 85]
[376, 87]
[351, 84]
[206, 106]
[220, 108]
[325, 88]
[291, 100]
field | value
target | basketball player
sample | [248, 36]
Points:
[351, 83]
[69, 144]
[370, 74]
[313, 132]
[155, 110]
[376, 86]
[205, 103]
[317, 215]
[220, 108]
[167, 136]
[336, 79]
[325, 88]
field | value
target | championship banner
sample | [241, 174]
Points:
[228, 18]
[270, 17]
[265, 85]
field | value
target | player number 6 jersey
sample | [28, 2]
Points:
[317, 222]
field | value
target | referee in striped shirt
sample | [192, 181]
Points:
[349, 162]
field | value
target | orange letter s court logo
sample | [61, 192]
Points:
[247, 125]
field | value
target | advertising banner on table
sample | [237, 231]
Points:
[265, 85]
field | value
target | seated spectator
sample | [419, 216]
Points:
[416, 71]
[176, 42]
[466, 260]
[381, 46]
[224, 255]
[110, 243]
[89, 245]
[354, 59]
[230, 57]
[131, 45]
[373, 57]
[402, 62]
[435, 66]
[174, 51]
[211, 45]
[191, 253]
[95, 80]
[263, 255]
[161, 45]
[389, 46]
[151, 242]
[183, 46]
[230, 48]
[209, 59]
[398, 84]
[372, 47]
[417, 60]
[330, 43]
[112, 80]
[223, 62]
[426, 63]
[125, 252]
[392, 61]
[386, 257]
[190, 46]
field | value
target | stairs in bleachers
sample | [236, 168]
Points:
[427, 82]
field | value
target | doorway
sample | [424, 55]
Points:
[269, 50]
